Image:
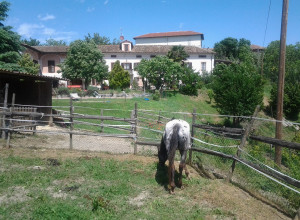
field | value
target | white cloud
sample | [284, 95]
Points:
[181, 24]
[41, 32]
[49, 31]
[28, 30]
[46, 17]
[106, 2]
[90, 9]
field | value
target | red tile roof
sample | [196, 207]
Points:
[169, 34]
[256, 47]
[155, 49]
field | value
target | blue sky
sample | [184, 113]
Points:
[70, 20]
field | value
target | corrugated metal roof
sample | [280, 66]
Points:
[29, 75]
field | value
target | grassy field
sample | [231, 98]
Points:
[62, 184]
[179, 103]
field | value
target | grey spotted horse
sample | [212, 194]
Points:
[176, 136]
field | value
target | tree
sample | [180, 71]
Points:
[237, 88]
[31, 42]
[27, 63]
[291, 100]
[10, 45]
[177, 54]
[118, 77]
[234, 50]
[160, 71]
[52, 42]
[190, 82]
[99, 40]
[4, 7]
[84, 61]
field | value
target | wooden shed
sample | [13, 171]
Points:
[29, 90]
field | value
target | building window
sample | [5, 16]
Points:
[203, 66]
[126, 47]
[127, 66]
[113, 56]
[202, 56]
[138, 56]
[135, 65]
[112, 65]
[51, 66]
[152, 56]
[189, 64]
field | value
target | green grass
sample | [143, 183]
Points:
[90, 188]
[174, 102]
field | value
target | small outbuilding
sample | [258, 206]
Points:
[29, 90]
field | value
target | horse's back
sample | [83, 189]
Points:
[182, 128]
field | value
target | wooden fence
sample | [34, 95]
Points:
[9, 114]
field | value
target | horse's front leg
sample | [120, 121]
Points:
[171, 172]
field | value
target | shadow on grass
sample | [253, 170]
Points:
[161, 176]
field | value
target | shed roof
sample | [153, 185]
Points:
[32, 76]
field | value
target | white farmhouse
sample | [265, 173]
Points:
[146, 47]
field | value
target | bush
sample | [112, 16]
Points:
[156, 96]
[291, 100]
[63, 91]
[78, 91]
[90, 90]
[190, 81]
[238, 89]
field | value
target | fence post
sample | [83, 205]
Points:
[101, 130]
[243, 141]
[71, 123]
[9, 125]
[159, 118]
[192, 134]
[135, 128]
[4, 109]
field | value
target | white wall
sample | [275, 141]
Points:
[131, 58]
[176, 40]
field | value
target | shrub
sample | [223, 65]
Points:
[291, 100]
[190, 80]
[90, 90]
[63, 91]
[156, 96]
[238, 89]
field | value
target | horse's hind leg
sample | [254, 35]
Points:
[182, 166]
[171, 174]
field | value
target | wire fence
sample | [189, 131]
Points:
[143, 129]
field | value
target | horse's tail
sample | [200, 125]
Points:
[174, 143]
[162, 152]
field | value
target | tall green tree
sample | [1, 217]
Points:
[27, 63]
[177, 54]
[118, 77]
[31, 42]
[84, 61]
[10, 45]
[160, 71]
[237, 88]
[53, 42]
[234, 50]
[101, 40]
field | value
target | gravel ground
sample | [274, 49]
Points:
[80, 142]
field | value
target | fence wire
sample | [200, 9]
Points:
[105, 136]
